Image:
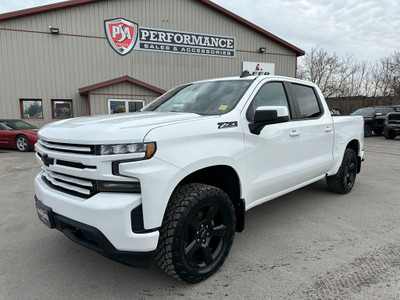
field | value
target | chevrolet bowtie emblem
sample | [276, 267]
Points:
[47, 160]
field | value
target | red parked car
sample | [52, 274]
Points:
[17, 134]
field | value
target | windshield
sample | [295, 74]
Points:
[366, 112]
[17, 124]
[203, 98]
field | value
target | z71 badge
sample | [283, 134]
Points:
[224, 125]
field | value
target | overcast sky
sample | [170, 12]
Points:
[370, 29]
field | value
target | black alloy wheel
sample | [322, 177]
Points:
[205, 236]
[367, 131]
[197, 232]
[350, 171]
[343, 181]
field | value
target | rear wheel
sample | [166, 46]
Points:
[389, 134]
[367, 130]
[197, 232]
[22, 143]
[345, 178]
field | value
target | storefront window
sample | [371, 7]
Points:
[31, 109]
[61, 109]
[124, 106]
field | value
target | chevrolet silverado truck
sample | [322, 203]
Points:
[173, 181]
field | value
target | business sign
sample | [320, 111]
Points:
[121, 34]
[256, 68]
[124, 35]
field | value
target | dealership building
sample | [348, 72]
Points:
[90, 57]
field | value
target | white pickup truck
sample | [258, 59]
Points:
[174, 181]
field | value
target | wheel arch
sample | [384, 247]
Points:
[225, 178]
[355, 145]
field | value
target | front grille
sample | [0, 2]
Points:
[50, 161]
[75, 186]
[71, 148]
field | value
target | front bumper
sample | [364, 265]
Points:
[93, 239]
[107, 213]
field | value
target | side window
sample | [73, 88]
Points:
[61, 109]
[271, 94]
[307, 100]
[31, 108]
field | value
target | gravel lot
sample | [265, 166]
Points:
[309, 244]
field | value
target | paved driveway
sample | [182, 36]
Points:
[310, 244]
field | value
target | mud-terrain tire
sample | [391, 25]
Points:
[197, 232]
[344, 180]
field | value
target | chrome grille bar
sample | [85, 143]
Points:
[65, 147]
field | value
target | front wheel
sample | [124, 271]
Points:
[389, 134]
[22, 143]
[344, 180]
[197, 232]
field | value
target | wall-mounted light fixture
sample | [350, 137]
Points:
[263, 50]
[54, 30]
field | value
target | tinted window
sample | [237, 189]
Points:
[307, 101]
[271, 94]
[365, 112]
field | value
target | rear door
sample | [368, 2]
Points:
[316, 131]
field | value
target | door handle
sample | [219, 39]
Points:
[294, 133]
[328, 129]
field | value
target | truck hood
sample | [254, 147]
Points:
[108, 129]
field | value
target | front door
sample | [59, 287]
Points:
[274, 156]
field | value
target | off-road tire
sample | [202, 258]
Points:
[389, 135]
[344, 180]
[367, 130]
[22, 143]
[197, 232]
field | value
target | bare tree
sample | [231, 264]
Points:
[336, 76]
[346, 77]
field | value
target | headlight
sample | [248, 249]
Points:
[148, 149]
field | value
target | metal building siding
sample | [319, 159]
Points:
[37, 64]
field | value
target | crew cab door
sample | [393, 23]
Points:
[315, 128]
[274, 154]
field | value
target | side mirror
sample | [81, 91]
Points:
[265, 115]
